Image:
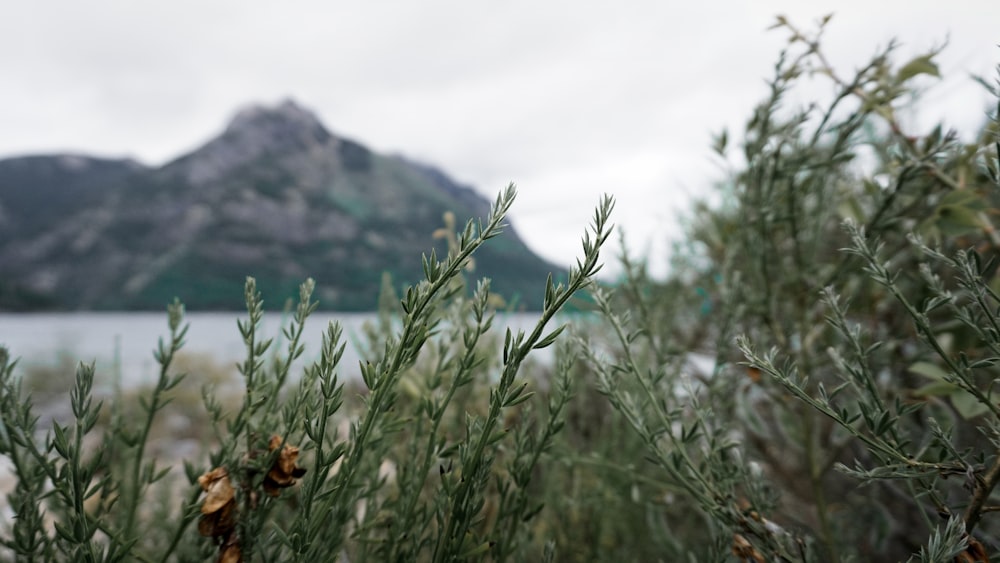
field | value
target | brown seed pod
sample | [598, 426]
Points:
[284, 471]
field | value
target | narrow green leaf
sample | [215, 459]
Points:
[548, 340]
[928, 369]
[936, 389]
[957, 220]
[967, 405]
[917, 66]
[518, 400]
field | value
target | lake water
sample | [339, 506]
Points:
[127, 340]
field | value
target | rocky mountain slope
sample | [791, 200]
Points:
[276, 196]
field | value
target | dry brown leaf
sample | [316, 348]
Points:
[974, 553]
[284, 471]
[745, 550]
[218, 490]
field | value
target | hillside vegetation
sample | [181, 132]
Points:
[275, 194]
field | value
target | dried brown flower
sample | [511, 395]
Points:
[284, 471]
[219, 507]
[974, 552]
[745, 550]
[218, 489]
[231, 554]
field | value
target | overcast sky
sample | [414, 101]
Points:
[569, 99]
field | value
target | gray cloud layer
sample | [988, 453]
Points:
[569, 99]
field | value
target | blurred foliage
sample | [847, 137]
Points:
[853, 419]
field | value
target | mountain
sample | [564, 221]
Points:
[276, 195]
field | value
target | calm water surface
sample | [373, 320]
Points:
[127, 340]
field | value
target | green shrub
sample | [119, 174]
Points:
[411, 472]
[846, 288]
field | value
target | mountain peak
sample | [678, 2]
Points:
[274, 195]
[256, 131]
[282, 119]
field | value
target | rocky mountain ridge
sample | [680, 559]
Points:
[276, 195]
